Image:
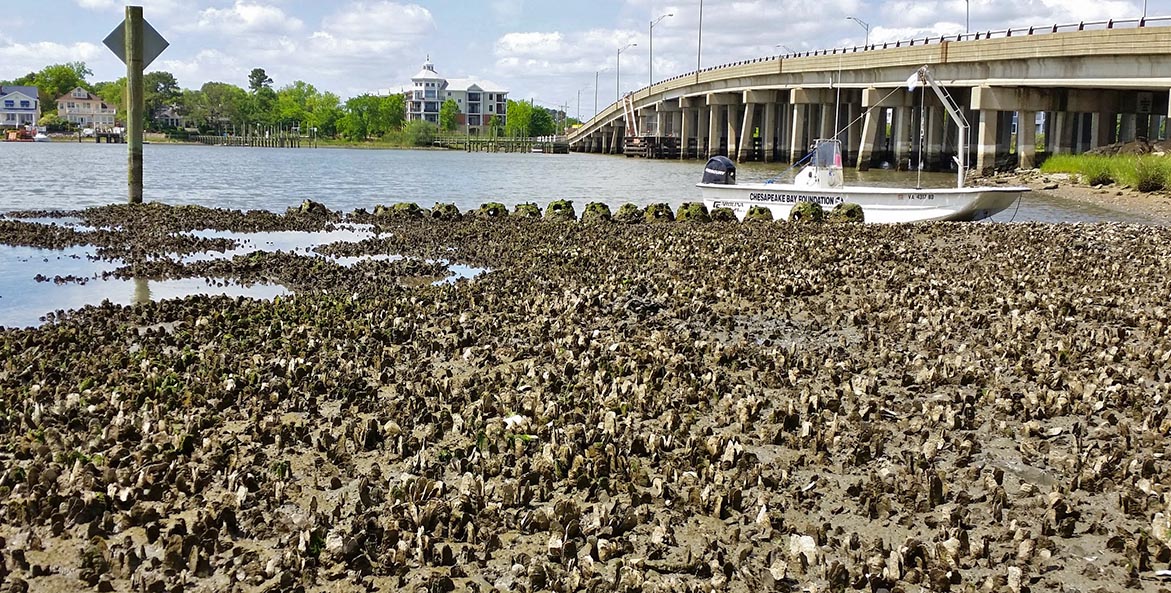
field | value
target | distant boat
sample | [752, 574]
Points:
[41, 137]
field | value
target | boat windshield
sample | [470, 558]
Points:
[827, 154]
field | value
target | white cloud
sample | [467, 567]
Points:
[21, 58]
[244, 18]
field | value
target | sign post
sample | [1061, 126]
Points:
[137, 44]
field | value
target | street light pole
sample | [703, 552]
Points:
[596, 92]
[784, 47]
[652, 48]
[864, 25]
[699, 46]
[967, 16]
[618, 73]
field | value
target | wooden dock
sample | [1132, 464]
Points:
[281, 140]
[543, 144]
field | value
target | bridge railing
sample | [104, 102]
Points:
[1133, 23]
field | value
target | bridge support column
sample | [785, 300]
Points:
[935, 125]
[734, 131]
[1126, 127]
[901, 133]
[703, 133]
[797, 135]
[1060, 133]
[826, 129]
[986, 144]
[1101, 128]
[713, 131]
[747, 127]
[769, 138]
[1026, 139]
[870, 133]
[604, 141]
[853, 133]
[685, 115]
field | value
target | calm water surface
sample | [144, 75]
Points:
[66, 175]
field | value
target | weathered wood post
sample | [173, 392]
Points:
[137, 44]
[135, 103]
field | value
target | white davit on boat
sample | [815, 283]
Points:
[821, 182]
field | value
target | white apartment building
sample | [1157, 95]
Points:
[478, 100]
[19, 106]
[85, 109]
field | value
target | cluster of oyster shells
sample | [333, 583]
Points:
[632, 407]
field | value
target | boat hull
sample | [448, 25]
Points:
[879, 204]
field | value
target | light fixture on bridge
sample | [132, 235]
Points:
[862, 24]
[652, 48]
[785, 47]
[618, 74]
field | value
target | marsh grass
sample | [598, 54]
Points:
[1147, 173]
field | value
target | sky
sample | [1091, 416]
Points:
[548, 51]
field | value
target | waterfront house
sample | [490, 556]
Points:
[478, 100]
[19, 106]
[85, 109]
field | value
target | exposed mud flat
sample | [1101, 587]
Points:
[636, 407]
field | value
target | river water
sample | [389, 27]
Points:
[66, 175]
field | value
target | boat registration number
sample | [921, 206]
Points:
[916, 196]
[794, 198]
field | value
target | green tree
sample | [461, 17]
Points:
[325, 111]
[160, 90]
[58, 79]
[394, 112]
[520, 115]
[541, 123]
[293, 102]
[420, 132]
[114, 94]
[494, 126]
[258, 79]
[448, 115]
[223, 105]
[361, 115]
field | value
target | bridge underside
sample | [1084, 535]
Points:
[1020, 95]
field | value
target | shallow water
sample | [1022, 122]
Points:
[25, 300]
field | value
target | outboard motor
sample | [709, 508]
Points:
[720, 170]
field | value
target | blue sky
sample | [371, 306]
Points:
[548, 51]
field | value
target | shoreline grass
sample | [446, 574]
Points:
[1146, 173]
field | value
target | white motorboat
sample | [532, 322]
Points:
[821, 182]
[41, 137]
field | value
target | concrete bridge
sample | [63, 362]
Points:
[1096, 83]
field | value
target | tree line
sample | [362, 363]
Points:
[220, 107]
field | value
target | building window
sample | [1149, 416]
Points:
[25, 104]
[490, 106]
[473, 120]
[473, 97]
[10, 103]
[10, 116]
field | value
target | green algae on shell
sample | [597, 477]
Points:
[659, 213]
[758, 214]
[527, 210]
[806, 213]
[560, 210]
[846, 212]
[628, 213]
[445, 212]
[400, 209]
[492, 210]
[595, 213]
[693, 212]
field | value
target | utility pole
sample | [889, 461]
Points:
[596, 93]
